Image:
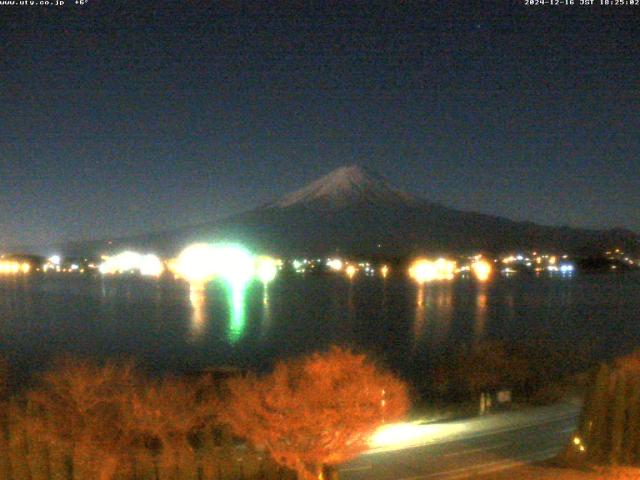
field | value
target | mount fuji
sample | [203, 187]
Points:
[347, 186]
[351, 210]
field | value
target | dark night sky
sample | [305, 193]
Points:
[125, 117]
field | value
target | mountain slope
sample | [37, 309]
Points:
[353, 211]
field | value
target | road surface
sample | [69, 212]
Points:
[471, 448]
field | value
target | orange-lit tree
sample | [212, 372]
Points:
[167, 419]
[78, 409]
[4, 441]
[315, 411]
[4, 369]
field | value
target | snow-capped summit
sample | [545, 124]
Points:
[345, 186]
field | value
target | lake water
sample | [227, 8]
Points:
[167, 327]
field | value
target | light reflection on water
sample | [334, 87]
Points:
[443, 304]
[351, 306]
[235, 297]
[480, 321]
[420, 319]
[237, 316]
[199, 314]
[266, 312]
[173, 326]
[433, 312]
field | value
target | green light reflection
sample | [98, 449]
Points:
[236, 294]
[266, 310]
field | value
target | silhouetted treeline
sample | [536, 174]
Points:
[533, 371]
[599, 264]
[609, 432]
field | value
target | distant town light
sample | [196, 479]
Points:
[566, 268]
[335, 264]
[384, 271]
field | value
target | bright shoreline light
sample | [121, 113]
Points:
[203, 262]
[482, 270]
[128, 262]
[14, 266]
[335, 264]
[424, 270]
[234, 264]
[266, 269]
[196, 263]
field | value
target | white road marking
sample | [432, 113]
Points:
[490, 467]
[356, 469]
[488, 448]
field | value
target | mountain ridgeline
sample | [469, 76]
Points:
[352, 211]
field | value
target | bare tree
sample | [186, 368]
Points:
[4, 373]
[78, 408]
[4, 406]
[166, 419]
[317, 410]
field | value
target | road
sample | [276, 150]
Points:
[474, 448]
